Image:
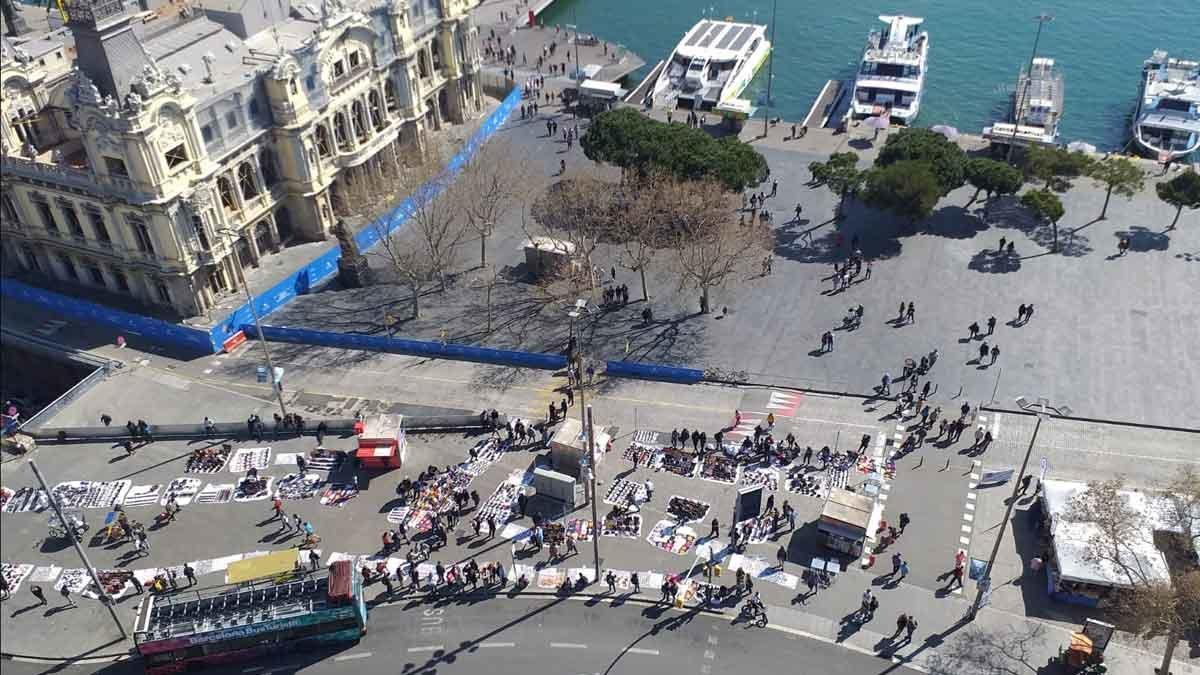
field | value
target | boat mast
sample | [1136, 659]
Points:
[770, 68]
[1019, 100]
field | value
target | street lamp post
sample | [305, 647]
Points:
[585, 413]
[237, 270]
[1042, 20]
[983, 587]
[770, 69]
[105, 598]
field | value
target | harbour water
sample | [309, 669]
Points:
[976, 49]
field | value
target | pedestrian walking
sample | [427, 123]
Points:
[904, 521]
[314, 560]
[781, 556]
[910, 627]
[790, 514]
[973, 330]
[808, 453]
[66, 593]
[903, 570]
[910, 313]
[38, 593]
[995, 353]
[633, 579]
[901, 623]
[991, 324]
[983, 352]
[277, 510]
[649, 490]
[611, 580]
[885, 383]
[716, 529]
[896, 561]
[189, 573]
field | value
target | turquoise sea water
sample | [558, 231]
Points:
[976, 49]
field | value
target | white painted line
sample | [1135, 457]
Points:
[976, 462]
[965, 541]
[887, 486]
[974, 476]
[970, 506]
[427, 648]
[493, 645]
[996, 426]
[957, 591]
[971, 496]
[972, 485]
[638, 650]
[966, 528]
[883, 497]
[567, 645]
[252, 669]
[710, 654]
[712, 639]
[367, 655]
[968, 517]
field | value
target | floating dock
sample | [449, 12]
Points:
[831, 105]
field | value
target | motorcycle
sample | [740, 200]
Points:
[752, 613]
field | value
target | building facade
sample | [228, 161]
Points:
[151, 156]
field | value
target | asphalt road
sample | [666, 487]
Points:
[551, 636]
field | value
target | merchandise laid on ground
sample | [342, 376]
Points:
[679, 462]
[22, 500]
[687, 510]
[672, 537]
[624, 492]
[209, 460]
[298, 486]
[720, 469]
[90, 494]
[620, 524]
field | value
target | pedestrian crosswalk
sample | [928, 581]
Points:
[784, 403]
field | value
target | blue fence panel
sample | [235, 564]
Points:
[437, 350]
[157, 330]
[647, 371]
[308, 277]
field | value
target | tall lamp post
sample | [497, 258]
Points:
[1042, 20]
[770, 69]
[984, 586]
[585, 413]
[237, 270]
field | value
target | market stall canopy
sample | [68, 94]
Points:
[1071, 540]
[845, 508]
[269, 565]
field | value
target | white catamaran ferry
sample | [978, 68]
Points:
[711, 67]
[892, 74]
[1166, 124]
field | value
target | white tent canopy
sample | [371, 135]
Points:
[1071, 540]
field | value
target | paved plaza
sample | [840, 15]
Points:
[932, 485]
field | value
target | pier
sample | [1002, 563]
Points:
[830, 106]
[599, 59]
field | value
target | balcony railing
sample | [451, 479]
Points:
[71, 177]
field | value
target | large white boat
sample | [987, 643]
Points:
[711, 67]
[891, 76]
[1166, 124]
[1037, 108]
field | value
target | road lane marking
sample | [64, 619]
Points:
[351, 657]
[638, 650]
[567, 645]
[427, 648]
[491, 645]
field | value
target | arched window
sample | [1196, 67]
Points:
[245, 175]
[360, 120]
[266, 164]
[389, 95]
[324, 149]
[225, 189]
[341, 131]
[377, 116]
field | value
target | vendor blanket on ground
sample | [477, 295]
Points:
[759, 476]
[91, 494]
[672, 538]
[296, 486]
[626, 525]
[759, 569]
[208, 460]
[624, 492]
[719, 469]
[15, 575]
[183, 489]
[759, 528]
[687, 510]
[642, 455]
[679, 462]
[25, 499]
[249, 458]
[804, 480]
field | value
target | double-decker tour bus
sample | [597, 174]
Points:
[284, 611]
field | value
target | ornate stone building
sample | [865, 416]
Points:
[146, 158]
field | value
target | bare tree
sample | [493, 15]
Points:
[1151, 606]
[404, 256]
[711, 246]
[578, 211]
[643, 226]
[1012, 650]
[435, 216]
[490, 186]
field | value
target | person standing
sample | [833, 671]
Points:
[716, 529]
[633, 579]
[190, 574]
[995, 354]
[901, 624]
[910, 314]
[66, 593]
[790, 514]
[903, 570]
[904, 521]
[649, 490]
[781, 556]
[983, 352]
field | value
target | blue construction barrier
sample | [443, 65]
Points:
[325, 266]
[127, 323]
[434, 350]
[649, 371]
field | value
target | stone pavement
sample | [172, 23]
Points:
[932, 494]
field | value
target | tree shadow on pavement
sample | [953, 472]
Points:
[989, 262]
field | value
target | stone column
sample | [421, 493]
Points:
[255, 254]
